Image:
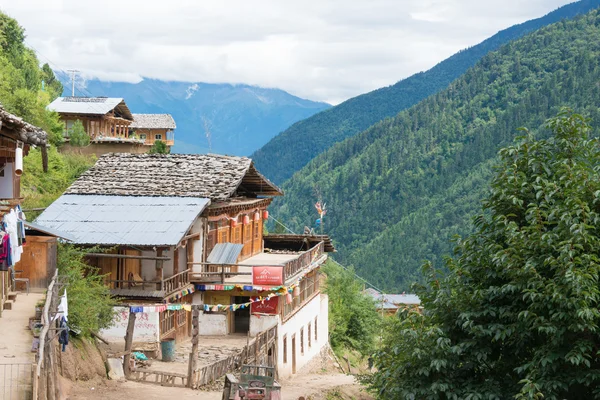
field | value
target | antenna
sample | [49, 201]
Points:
[73, 73]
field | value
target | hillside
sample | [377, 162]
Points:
[240, 118]
[398, 191]
[292, 149]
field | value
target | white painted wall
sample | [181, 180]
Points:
[260, 323]
[146, 327]
[198, 226]
[6, 182]
[317, 307]
[212, 324]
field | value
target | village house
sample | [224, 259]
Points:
[188, 229]
[153, 127]
[389, 304]
[16, 139]
[111, 125]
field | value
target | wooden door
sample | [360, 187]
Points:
[132, 268]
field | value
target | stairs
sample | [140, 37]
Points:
[12, 298]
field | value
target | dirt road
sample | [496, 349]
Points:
[305, 385]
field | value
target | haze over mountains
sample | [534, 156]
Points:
[240, 118]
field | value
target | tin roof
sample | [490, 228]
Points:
[392, 301]
[91, 106]
[123, 220]
[48, 231]
[225, 253]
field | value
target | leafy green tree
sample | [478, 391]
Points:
[517, 315]
[353, 318]
[90, 302]
[159, 147]
[78, 136]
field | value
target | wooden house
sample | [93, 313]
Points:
[16, 139]
[153, 127]
[188, 229]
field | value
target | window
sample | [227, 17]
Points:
[285, 349]
[308, 335]
[316, 328]
[181, 318]
[68, 128]
[302, 340]
[157, 137]
[143, 136]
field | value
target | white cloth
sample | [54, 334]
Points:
[63, 307]
[10, 220]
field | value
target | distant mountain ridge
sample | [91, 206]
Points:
[240, 118]
[292, 149]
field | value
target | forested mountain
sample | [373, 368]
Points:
[292, 149]
[400, 190]
[239, 118]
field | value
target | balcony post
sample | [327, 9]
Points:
[159, 269]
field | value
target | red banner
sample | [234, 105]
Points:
[266, 307]
[272, 276]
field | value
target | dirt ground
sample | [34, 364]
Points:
[311, 386]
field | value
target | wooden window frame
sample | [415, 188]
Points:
[158, 136]
[285, 360]
[316, 329]
[302, 341]
[308, 335]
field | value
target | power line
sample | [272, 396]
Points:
[345, 268]
[73, 73]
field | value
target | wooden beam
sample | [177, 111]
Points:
[105, 255]
[159, 267]
[194, 353]
[128, 344]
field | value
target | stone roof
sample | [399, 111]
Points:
[211, 176]
[22, 130]
[153, 121]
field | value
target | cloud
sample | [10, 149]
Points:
[322, 50]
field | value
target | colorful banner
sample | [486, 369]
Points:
[265, 307]
[267, 275]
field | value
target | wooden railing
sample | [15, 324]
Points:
[216, 273]
[295, 266]
[177, 281]
[169, 285]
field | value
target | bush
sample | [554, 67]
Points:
[159, 147]
[78, 137]
[90, 302]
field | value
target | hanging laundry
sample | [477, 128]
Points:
[63, 307]
[63, 337]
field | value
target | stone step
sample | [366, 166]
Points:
[8, 304]
[12, 296]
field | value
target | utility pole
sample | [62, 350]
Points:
[73, 73]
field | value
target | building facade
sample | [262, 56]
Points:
[188, 229]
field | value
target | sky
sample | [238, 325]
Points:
[325, 50]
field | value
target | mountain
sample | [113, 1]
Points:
[240, 118]
[400, 190]
[292, 149]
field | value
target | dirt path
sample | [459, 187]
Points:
[314, 385]
[15, 336]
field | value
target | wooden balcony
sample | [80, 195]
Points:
[149, 288]
[292, 263]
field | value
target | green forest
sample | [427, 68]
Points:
[398, 192]
[292, 149]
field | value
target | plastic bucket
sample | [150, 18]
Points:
[167, 348]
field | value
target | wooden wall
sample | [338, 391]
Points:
[38, 261]
[250, 235]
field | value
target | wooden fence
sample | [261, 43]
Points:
[260, 351]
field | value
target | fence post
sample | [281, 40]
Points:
[128, 344]
[194, 353]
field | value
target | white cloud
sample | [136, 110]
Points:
[326, 50]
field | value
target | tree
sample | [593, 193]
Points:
[90, 301]
[517, 314]
[78, 137]
[159, 147]
[353, 319]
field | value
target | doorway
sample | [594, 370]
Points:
[241, 316]
[293, 354]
